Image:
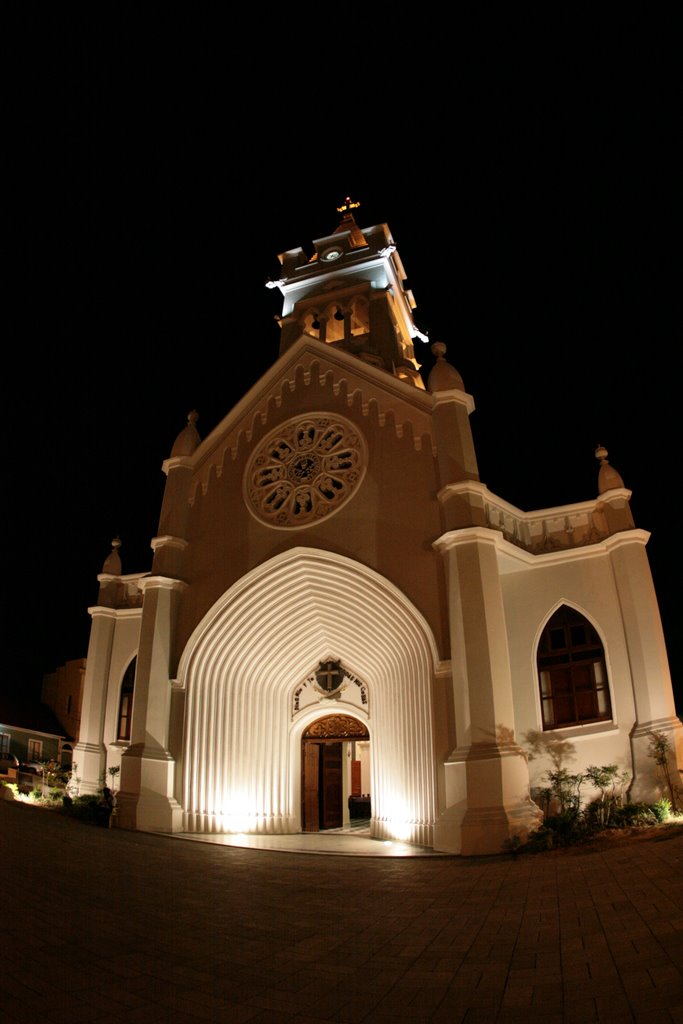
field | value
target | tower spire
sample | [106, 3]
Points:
[348, 223]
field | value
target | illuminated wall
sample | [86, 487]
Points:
[241, 761]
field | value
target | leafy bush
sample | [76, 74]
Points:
[91, 808]
[635, 816]
[565, 829]
[662, 809]
[568, 821]
[84, 808]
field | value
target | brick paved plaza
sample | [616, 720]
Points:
[109, 926]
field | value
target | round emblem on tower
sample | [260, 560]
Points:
[304, 471]
[332, 254]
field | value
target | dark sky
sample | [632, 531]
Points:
[533, 193]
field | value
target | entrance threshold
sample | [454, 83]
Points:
[332, 842]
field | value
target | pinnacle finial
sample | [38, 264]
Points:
[608, 478]
[443, 376]
[112, 563]
[188, 439]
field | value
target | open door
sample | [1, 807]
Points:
[311, 786]
[323, 765]
[323, 785]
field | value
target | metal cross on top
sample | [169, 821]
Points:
[347, 206]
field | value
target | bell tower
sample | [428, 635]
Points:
[350, 293]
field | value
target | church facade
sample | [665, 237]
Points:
[342, 620]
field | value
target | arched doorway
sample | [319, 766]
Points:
[242, 727]
[330, 773]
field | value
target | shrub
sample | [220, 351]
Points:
[565, 828]
[635, 815]
[660, 749]
[568, 821]
[609, 781]
[662, 809]
[84, 808]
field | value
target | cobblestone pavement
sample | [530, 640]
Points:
[108, 926]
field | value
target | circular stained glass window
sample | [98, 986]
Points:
[305, 470]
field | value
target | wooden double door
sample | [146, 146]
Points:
[323, 763]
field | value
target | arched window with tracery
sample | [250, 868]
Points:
[126, 704]
[572, 675]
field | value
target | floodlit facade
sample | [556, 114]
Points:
[341, 619]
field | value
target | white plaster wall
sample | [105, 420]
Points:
[530, 598]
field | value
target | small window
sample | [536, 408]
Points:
[35, 750]
[572, 673]
[126, 704]
[4, 742]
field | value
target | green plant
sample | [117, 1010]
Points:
[662, 809]
[660, 749]
[565, 791]
[53, 775]
[635, 815]
[562, 822]
[568, 820]
[84, 808]
[73, 782]
[609, 781]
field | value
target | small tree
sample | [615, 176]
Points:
[566, 790]
[660, 748]
[606, 779]
[73, 782]
[52, 775]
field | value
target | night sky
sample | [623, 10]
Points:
[151, 187]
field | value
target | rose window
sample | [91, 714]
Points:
[305, 470]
